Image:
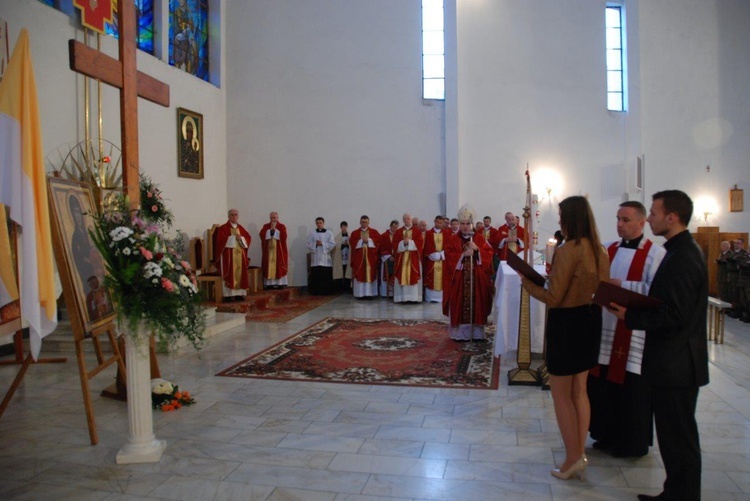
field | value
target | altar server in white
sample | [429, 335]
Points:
[621, 415]
[320, 243]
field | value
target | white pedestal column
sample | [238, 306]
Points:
[142, 446]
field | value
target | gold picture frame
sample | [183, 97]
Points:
[189, 144]
[736, 199]
[79, 262]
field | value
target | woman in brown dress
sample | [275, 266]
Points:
[574, 326]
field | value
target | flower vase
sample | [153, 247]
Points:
[142, 446]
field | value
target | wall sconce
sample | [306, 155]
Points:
[706, 207]
[550, 184]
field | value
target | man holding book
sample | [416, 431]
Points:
[675, 355]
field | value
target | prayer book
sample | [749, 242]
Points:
[525, 269]
[608, 293]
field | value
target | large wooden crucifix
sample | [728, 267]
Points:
[132, 83]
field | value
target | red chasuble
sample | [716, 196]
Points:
[449, 265]
[385, 249]
[364, 259]
[458, 304]
[233, 261]
[408, 262]
[511, 235]
[434, 270]
[275, 254]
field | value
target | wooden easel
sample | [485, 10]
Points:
[77, 308]
[15, 327]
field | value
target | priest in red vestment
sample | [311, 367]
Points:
[231, 243]
[509, 237]
[469, 296]
[387, 261]
[275, 254]
[364, 243]
[408, 245]
[434, 262]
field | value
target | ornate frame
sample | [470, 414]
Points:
[189, 151]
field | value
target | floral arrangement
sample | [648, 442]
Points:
[153, 209]
[148, 280]
[166, 396]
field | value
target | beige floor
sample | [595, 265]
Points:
[276, 440]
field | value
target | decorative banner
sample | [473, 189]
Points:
[94, 13]
[24, 191]
[4, 47]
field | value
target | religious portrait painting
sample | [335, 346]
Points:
[79, 262]
[189, 144]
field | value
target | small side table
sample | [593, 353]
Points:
[716, 313]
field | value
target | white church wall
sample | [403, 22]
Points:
[532, 90]
[696, 105]
[61, 104]
[530, 80]
[325, 117]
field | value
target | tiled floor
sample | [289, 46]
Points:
[276, 440]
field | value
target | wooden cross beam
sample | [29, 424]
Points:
[132, 83]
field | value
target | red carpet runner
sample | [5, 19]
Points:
[275, 306]
[374, 351]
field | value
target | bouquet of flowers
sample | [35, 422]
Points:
[166, 396]
[152, 203]
[149, 282]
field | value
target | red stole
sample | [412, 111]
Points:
[618, 359]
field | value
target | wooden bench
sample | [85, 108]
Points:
[716, 312]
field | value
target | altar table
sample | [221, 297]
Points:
[507, 312]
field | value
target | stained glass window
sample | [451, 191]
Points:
[144, 11]
[188, 36]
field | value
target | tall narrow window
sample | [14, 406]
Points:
[188, 36]
[144, 13]
[616, 74]
[433, 50]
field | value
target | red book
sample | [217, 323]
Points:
[608, 293]
[525, 269]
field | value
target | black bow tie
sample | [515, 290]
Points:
[320, 230]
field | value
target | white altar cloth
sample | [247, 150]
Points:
[507, 310]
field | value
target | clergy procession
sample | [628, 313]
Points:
[594, 355]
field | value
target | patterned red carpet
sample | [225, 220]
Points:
[375, 351]
[274, 305]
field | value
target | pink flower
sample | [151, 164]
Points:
[185, 265]
[154, 208]
[167, 284]
[149, 194]
[147, 253]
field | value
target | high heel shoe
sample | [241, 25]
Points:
[576, 469]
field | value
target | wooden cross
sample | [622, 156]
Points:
[132, 83]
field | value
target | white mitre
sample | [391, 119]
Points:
[467, 212]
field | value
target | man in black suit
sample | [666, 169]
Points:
[675, 356]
